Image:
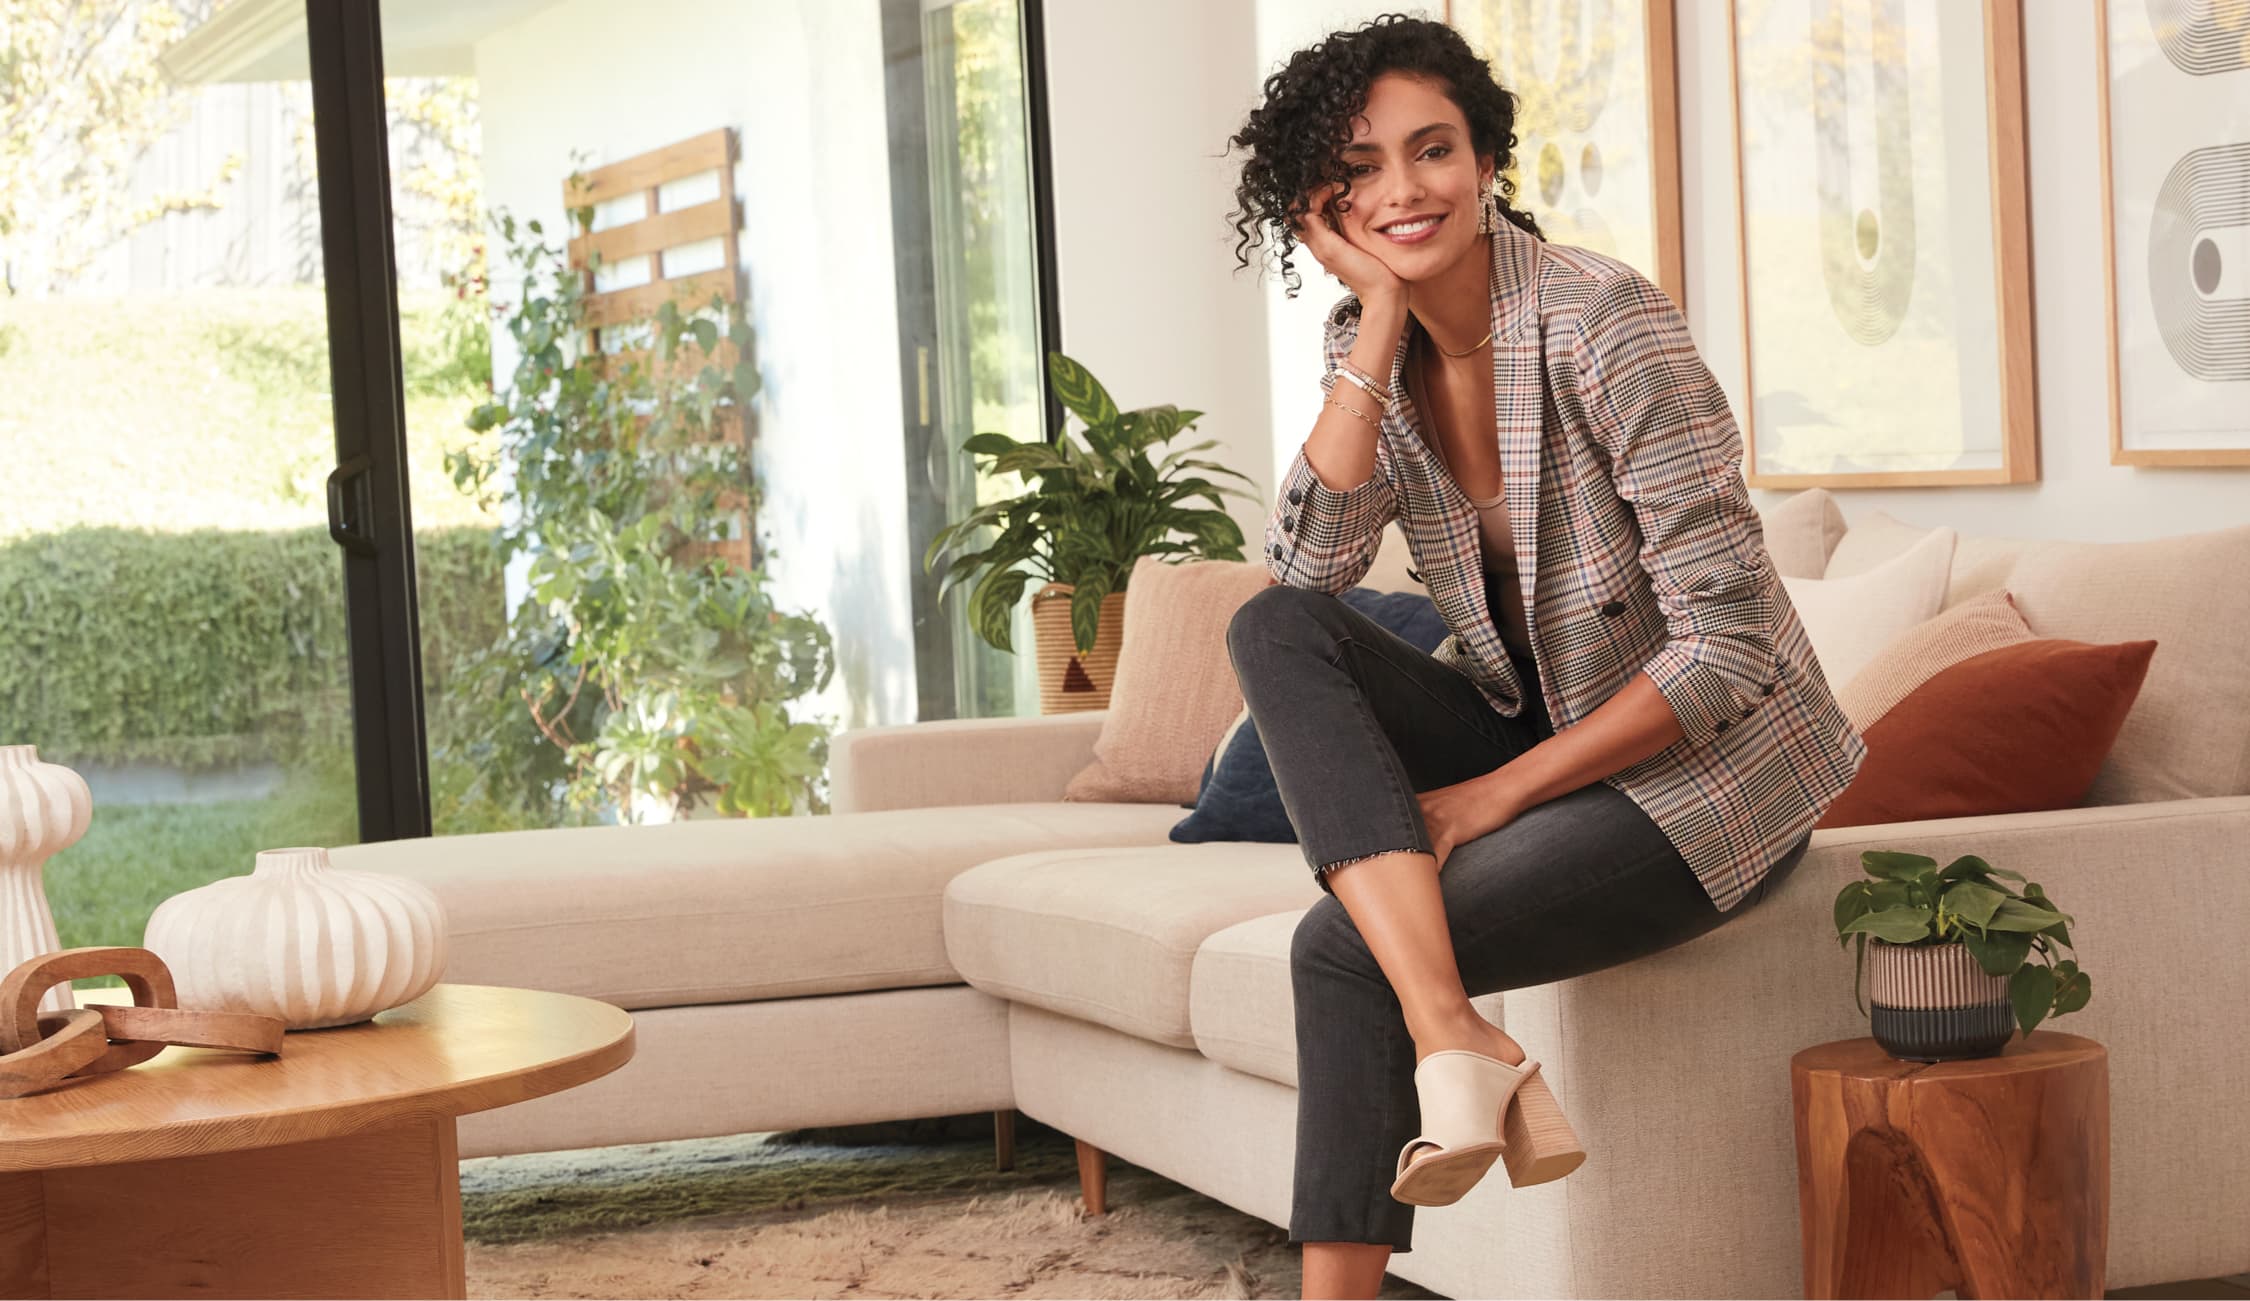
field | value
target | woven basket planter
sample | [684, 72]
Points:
[1933, 1003]
[1070, 682]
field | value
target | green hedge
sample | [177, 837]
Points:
[210, 647]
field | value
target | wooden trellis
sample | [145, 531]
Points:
[651, 235]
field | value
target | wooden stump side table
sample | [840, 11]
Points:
[1989, 1177]
[329, 1171]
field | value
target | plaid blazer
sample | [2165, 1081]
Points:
[1636, 544]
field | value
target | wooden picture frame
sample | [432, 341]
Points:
[1873, 305]
[1653, 243]
[2208, 133]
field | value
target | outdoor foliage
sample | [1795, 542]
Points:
[81, 96]
[632, 675]
[204, 648]
[1094, 510]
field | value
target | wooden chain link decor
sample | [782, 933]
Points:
[38, 1052]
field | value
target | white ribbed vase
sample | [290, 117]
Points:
[312, 944]
[44, 807]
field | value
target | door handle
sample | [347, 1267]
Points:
[349, 505]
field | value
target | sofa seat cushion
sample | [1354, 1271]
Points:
[730, 909]
[1243, 1004]
[1110, 935]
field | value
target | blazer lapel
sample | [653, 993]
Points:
[1518, 393]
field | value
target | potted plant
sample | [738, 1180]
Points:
[1093, 508]
[1953, 970]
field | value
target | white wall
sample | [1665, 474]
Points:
[1141, 99]
[801, 81]
[2080, 495]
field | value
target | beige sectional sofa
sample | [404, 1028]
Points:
[955, 938]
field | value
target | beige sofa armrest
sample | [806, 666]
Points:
[1675, 1067]
[960, 761]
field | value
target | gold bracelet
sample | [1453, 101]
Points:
[1355, 411]
[1366, 383]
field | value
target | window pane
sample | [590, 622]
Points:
[660, 255]
[175, 617]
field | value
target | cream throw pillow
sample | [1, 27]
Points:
[1175, 690]
[1980, 564]
[1851, 620]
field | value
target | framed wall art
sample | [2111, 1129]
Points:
[1885, 242]
[2175, 113]
[1597, 122]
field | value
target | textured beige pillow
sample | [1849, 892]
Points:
[1801, 531]
[1850, 620]
[1984, 622]
[2188, 736]
[1175, 690]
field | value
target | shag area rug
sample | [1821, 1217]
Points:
[913, 1209]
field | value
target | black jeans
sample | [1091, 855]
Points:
[1356, 721]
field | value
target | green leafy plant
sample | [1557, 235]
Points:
[1093, 509]
[632, 673]
[1912, 901]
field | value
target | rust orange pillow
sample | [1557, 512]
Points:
[2018, 729]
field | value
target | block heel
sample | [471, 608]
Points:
[1540, 1144]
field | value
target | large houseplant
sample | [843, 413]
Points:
[1092, 508]
[1955, 950]
[639, 678]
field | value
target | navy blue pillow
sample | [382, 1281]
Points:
[1238, 799]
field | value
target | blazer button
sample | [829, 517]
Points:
[1296, 496]
[1277, 551]
[1723, 725]
[1414, 575]
[1288, 523]
[1613, 608]
[1768, 690]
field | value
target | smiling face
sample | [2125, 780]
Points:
[1416, 180]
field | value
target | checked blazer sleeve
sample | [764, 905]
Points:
[1676, 458]
[1317, 536]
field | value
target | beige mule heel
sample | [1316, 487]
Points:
[1541, 1145]
[1465, 1101]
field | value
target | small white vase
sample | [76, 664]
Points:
[312, 944]
[44, 807]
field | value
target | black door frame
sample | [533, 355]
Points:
[368, 510]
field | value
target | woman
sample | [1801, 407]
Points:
[1626, 739]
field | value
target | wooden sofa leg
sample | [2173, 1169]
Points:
[1004, 1139]
[1093, 1177]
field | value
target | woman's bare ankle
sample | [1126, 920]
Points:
[1473, 1033]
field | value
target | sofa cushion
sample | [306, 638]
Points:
[1110, 935]
[728, 909]
[2189, 733]
[1243, 1005]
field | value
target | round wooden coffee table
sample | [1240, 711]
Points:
[1988, 1176]
[331, 1170]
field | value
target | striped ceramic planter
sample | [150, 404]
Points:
[1933, 1003]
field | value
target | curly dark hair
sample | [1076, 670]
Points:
[1295, 137]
